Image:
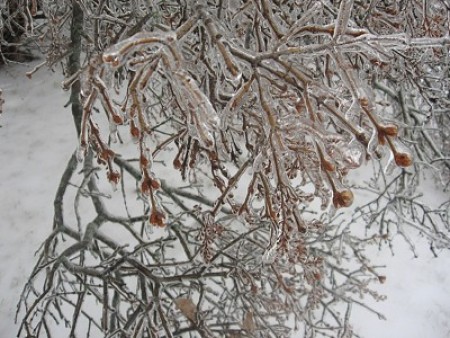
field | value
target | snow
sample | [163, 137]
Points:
[36, 139]
[418, 296]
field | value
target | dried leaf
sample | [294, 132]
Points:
[249, 322]
[187, 308]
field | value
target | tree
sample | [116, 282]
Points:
[14, 23]
[226, 125]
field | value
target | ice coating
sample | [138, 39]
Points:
[344, 14]
[116, 55]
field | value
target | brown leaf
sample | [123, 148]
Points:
[249, 322]
[187, 308]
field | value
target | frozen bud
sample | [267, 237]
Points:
[145, 163]
[390, 129]
[403, 159]
[328, 166]
[342, 198]
[156, 184]
[382, 279]
[157, 218]
[113, 178]
[145, 186]
[177, 163]
[117, 119]
[135, 133]
[104, 156]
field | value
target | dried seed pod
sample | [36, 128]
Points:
[144, 161]
[177, 163]
[157, 218]
[328, 166]
[156, 184]
[145, 186]
[390, 129]
[113, 178]
[342, 198]
[248, 323]
[403, 159]
[117, 119]
[134, 131]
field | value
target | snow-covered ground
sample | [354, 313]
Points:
[36, 139]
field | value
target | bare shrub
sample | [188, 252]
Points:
[229, 128]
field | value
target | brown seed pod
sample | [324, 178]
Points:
[328, 166]
[403, 159]
[135, 132]
[144, 161]
[145, 187]
[343, 198]
[117, 119]
[390, 129]
[177, 163]
[157, 218]
[156, 184]
[113, 176]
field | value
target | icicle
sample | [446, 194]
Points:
[204, 136]
[353, 111]
[113, 132]
[373, 142]
[205, 110]
[345, 73]
[270, 255]
[146, 159]
[235, 103]
[234, 80]
[353, 157]
[390, 165]
[81, 153]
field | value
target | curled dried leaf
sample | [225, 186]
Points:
[249, 322]
[342, 198]
[113, 176]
